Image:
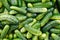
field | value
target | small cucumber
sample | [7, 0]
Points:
[14, 2]
[56, 17]
[37, 10]
[32, 0]
[50, 25]
[43, 5]
[5, 31]
[55, 30]
[5, 4]
[46, 19]
[22, 10]
[29, 35]
[18, 33]
[25, 22]
[55, 37]
[32, 30]
[40, 16]
[35, 38]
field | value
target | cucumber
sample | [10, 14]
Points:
[50, 25]
[57, 26]
[10, 36]
[23, 30]
[12, 12]
[14, 36]
[47, 36]
[37, 25]
[25, 22]
[31, 15]
[40, 16]
[55, 37]
[19, 3]
[43, 5]
[56, 11]
[35, 38]
[5, 31]
[32, 30]
[14, 2]
[18, 33]
[17, 39]
[37, 10]
[5, 4]
[12, 28]
[32, 1]
[46, 19]
[42, 37]
[56, 17]
[55, 30]
[21, 17]
[29, 5]
[29, 35]
[8, 18]
[22, 10]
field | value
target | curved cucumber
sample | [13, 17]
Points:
[8, 18]
[50, 25]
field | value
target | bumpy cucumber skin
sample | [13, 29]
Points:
[32, 30]
[8, 18]
[20, 35]
[50, 25]
[46, 5]
[6, 5]
[4, 31]
[46, 19]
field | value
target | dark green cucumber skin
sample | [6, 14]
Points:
[49, 25]
[5, 4]
[44, 5]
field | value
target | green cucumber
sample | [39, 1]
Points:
[22, 10]
[55, 30]
[35, 38]
[5, 31]
[8, 18]
[5, 4]
[50, 25]
[43, 5]
[40, 16]
[46, 19]
[29, 35]
[18, 33]
[32, 30]
[55, 37]
[25, 22]
[14, 2]
[56, 17]
[32, 0]
[37, 10]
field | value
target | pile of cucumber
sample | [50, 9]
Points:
[29, 19]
